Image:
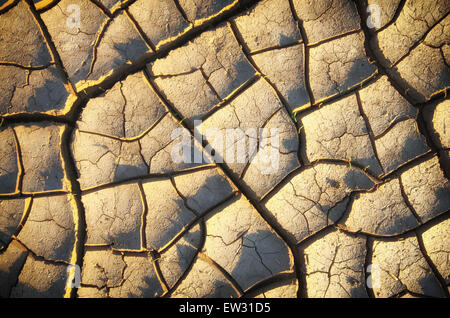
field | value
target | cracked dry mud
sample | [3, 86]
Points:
[361, 197]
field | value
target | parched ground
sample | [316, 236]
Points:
[92, 91]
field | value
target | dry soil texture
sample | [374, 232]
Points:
[96, 97]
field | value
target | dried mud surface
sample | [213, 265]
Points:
[359, 205]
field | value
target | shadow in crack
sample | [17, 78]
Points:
[128, 51]
[297, 97]
[24, 290]
[190, 156]
[186, 251]
[222, 290]
[356, 180]
[443, 197]
[203, 11]
[286, 40]
[53, 177]
[214, 189]
[127, 237]
[405, 84]
[9, 273]
[243, 71]
[8, 182]
[360, 70]
[64, 250]
[185, 153]
[6, 236]
[357, 289]
[184, 256]
[43, 56]
[150, 287]
[11, 212]
[430, 286]
[335, 212]
[123, 171]
[166, 225]
[261, 255]
[109, 61]
[51, 95]
[411, 149]
[48, 282]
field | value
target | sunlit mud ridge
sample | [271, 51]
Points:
[181, 148]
